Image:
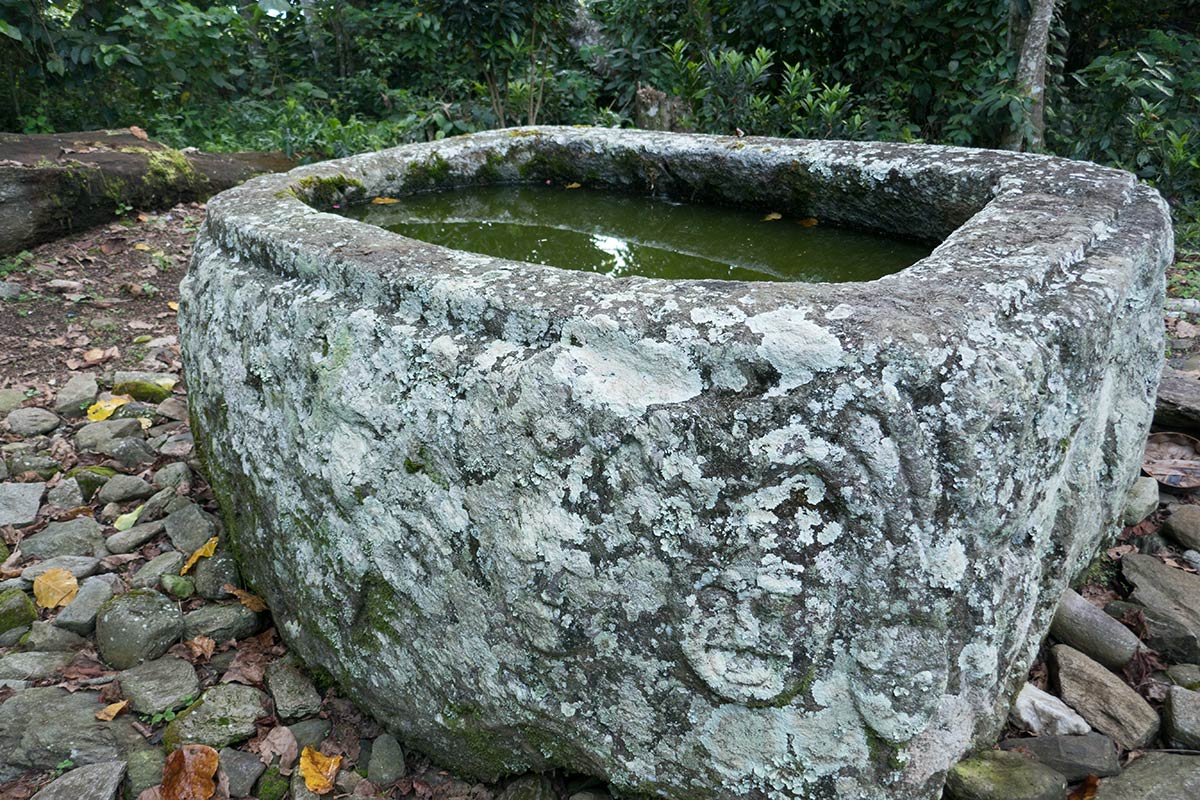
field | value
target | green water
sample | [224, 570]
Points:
[620, 234]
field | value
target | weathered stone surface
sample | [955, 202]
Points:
[152, 571]
[190, 527]
[67, 494]
[145, 769]
[1155, 776]
[76, 395]
[710, 539]
[1185, 675]
[386, 765]
[530, 787]
[1165, 633]
[1001, 775]
[137, 626]
[225, 715]
[1092, 632]
[80, 614]
[47, 637]
[93, 782]
[33, 666]
[1171, 592]
[124, 487]
[1141, 502]
[294, 694]
[242, 769]
[1103, 699]
[1041, 713]
[1183, 526]
[310, 732]
[159, 685]
[16, 610]
[91, 437]
[220, 623]
[1181, 718]
[1073, 757]
[76, 537]
[135, 537]
[19, 502]
[31, 421]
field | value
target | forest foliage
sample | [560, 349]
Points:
[318, 78]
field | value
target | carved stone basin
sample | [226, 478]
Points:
[704, 539]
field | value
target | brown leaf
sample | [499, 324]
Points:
[250, 601]
[201, 648]
[114, 246]
[139, 133]
[279, 742]
[248, 667]
[204, 551]
[188, 773]
[55, 587]
[1086, 790]
[153, 793]
[109, 712]
[807, 222]
[318, 770]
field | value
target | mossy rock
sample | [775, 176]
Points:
[16, 610]
[145, 391]
[272, 785]
[1003, 775]
[90, 479]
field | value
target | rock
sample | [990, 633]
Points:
[10, 399]
[42, 466]
[190, 527]
[242, 769]
[1169, 591]
[347, 781]
[530, 787]
[173, 476]
[76, 396]
[123, 488]
[80, 614]
[33, 666]
[1000, 775]
[130, 453]
[46, 636]
[31, 421]
[211, 574]
[79, 566]
[163, 684]
[178, 586]
[1185, 675]
[135, 537]
[66, 495]
[91, 437]
[81, 536]
[173, 408]
[272, 785]
[145, 391]
[1183, 526]
[1089, 630]
[294, 694]
[224, 715]
[1164, 633]
[1154, 776]
[1043, 714]
[13, 636]
[19, 503]
[41, 727]
[90, 479]
[220, 623]
[310, 732]
[16, 610]
[156, 507]
[1073, 757]
[145, 770]
[152, 571]
[300, 790]
[1181, 719]
[135, 627]
[590, 795]
[1141, 502]
[387, 761]
[93, 782]
[1103, 699]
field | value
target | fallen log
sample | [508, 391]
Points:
[52, 184]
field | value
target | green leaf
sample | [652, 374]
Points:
[11, 31]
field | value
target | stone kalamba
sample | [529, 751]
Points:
[705, 539]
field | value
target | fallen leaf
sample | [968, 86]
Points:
[93, 356]
[55, 587]
[109, 712]
[145, 248]
[204, 551]
[126, 521]
[384, 201]
[139, 133]
[248, 668]
[318, 770]
[153, 793]
[142, 216]
[106, 408]
[573, 185]
[774, 215]
[188, 773]
[173, 305]
[1086, 790]
[201, 648]
[279, 742]
[250, 601]
[807, 222]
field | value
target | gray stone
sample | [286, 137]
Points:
[180, 586]
[16, 610]
[81, 536]
[299, 790]
[163, 684]
[130, 453]
[1155, 776]
[43, 466]
[46, 637]
[31, 421]
[145, 770]
[92, 436]
[1171, 592]
[190, 527]
[79, 566]
[1183, 526]
[93, 782]
[174, 475]
[294, 694]
[1164, 633]
[1103, 699]
[33, 666]
[1001, 775]
[90, 479]
[66, 495]
[19, 503]
[1141, 502]
[13, 636]
[213, 573]
[387, 761]
[1181, 719]
[310, 732]
[156, 507]
[220, 623]
[1185, 675]
[224, 715]
[122, 488]
[1043, 714]
[173, 408]
[135, 537]
[590, 794]
[152, 571]
[777, 511]
[1092, 632]
[242, 769]
[1074, 757]
[10, 399]
[80, 614]
[137, 626]
[530, 787]
[76, 395]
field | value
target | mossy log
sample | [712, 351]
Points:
[51, 184]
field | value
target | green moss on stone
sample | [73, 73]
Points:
[426, 174]
[325, 192]
[145, 391]
[16, 610]
[272, 785]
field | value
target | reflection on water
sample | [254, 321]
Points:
[622, 235]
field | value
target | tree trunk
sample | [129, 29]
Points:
[1029, 35]
[51, 184]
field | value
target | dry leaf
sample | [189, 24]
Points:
[55, 587]
[138, 133]
[173, 305]
[774, 215]
[281, 742]
[573, 185]
[318, 770]
[250, 601]
[93, 356]
[105, 408]
[109, 712]
[204, 551]
[807, 222]
[188, 773]
[142, 246]
[153, 793]
[384, 201]
[201, 648]
[1086, 790]
[125, 521]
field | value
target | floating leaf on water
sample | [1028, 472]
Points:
[807, 222]
[188, 773]
[109, 712]
[126, 521]
[318, 770]
[250, 601]
[573, 185]
[204, 551]
[104, 409]
[774, 215]
[55, 587]
[384, 201]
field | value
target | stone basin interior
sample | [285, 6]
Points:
[622, 234]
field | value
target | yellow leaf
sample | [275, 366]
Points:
[807, 222]
[774, 215]
[55, 587]
[173, 305]
[166, 383]
[126, 521]
[141, 246]
[318, 770]
[146, 423]
[204, 551]
[384, 201]
[109, 712]
[105, 408]
[250, 601]
[573, 185]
